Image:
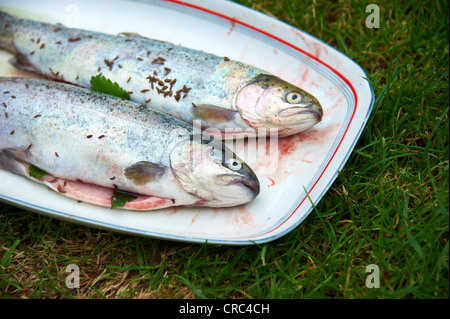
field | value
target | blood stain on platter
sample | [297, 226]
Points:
[308, 148]
[194, 218]
[172, 211]
[305, 75]
[242, 219]
[314, 48]
[233, 24]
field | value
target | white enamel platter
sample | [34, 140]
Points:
[294, 172]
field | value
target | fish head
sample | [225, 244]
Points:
[213, 173]
[270, 102]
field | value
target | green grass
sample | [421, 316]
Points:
[389, 206]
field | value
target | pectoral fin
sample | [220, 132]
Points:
[11, 160]
[213, 114]
[143, 172]
[21, 62]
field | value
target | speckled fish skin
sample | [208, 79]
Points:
[185, 83]
[75, 134]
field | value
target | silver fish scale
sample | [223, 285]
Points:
[55, 118]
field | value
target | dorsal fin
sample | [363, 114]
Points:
[133, 35]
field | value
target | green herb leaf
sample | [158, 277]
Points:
[36, 172]
[119, 199]
[104, 85]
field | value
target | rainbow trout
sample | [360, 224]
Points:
[230, 98]
[90, 145]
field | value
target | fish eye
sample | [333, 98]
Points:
[233, 164]
[293, 97]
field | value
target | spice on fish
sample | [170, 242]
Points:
[53, 72]
[74, 39]
[159, 60]
[151, 79]
[109, 63]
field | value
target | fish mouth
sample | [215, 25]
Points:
[301, 110]
[252, 184]
[254, 188]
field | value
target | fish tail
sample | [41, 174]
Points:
[7, 25]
